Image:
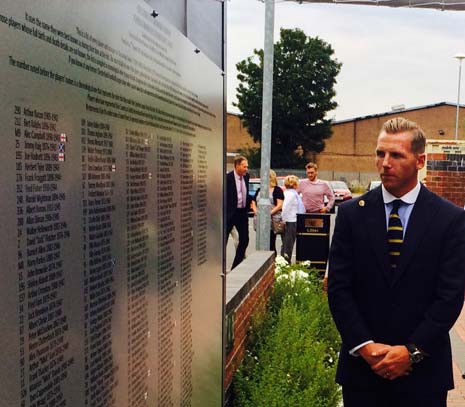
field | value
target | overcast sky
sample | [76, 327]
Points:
[389, 56]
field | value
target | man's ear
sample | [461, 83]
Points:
[421, 159]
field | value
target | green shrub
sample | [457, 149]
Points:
[291, 357]
[356, 187]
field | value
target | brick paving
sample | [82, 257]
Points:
[456, 397]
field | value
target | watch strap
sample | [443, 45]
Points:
[415, 354]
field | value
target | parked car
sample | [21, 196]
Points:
[341, 191]
[373, 185]
[254, 185]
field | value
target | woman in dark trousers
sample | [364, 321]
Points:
[276, 199]
[292, 206]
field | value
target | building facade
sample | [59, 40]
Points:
[237, 136]
[352, 146]
[349, 153]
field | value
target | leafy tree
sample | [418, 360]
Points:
[303, 90]
[253, 155]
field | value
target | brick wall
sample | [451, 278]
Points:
[352, 145]
[351, 149]
[248, 287]
[445, 169]
[237, 136]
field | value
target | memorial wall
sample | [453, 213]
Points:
[111, 168]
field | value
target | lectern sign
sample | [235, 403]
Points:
[111, 169]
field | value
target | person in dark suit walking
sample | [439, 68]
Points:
[237, 205]
[396, 282]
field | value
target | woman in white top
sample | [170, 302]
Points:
[291, 207]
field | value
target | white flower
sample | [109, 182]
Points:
[298, 275]
[282, 277]
[280, 261]
[306, 263]
[301, 274]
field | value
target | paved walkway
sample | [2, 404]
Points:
[456, 397]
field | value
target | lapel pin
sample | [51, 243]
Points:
[361, 203]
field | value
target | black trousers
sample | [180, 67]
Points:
[376, 398]
[240, 220]
[273, 241]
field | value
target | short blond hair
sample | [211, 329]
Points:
[291, 181]
[273, 179]
[400, 125]
[311, 165]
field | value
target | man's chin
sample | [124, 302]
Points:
[387, 180]
[388, 183]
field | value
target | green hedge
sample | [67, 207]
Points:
[291, 355]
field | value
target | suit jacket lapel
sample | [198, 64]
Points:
[233, 189]
[423, 210]
[376, 217]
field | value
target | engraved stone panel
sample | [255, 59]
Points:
[111, 168]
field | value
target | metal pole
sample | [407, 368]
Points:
[460, 57]
[458, 102]
[264, 205]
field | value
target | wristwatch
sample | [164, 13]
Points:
[415, 354]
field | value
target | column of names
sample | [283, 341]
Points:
[202, 191]
[166, 205]
[137, 177]
[187, 245]
[41, 233]
[98, 166]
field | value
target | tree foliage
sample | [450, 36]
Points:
[253, 155]
[304, 76]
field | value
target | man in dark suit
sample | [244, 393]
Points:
[394, 298]
[237, 205]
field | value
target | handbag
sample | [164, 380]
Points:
[277, 224]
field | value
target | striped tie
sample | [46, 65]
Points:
[395, 234]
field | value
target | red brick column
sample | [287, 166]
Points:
[445, 169]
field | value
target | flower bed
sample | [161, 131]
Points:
[291, 354]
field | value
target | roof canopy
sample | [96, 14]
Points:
[439, 5]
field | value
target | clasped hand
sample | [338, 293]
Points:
[389, 362]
